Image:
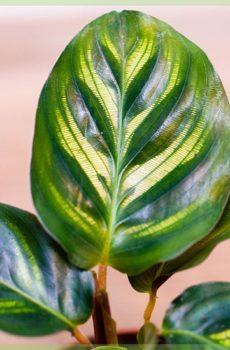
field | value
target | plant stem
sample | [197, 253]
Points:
[150, 306]
[104, 325]
[81, 338]
[99, 331]
[102, 276]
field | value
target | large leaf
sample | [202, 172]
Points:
[40, 293]
[153, 278]
[130, 161]
[200, 316]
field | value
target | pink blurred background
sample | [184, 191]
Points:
[31, 39]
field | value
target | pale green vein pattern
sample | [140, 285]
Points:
[40, 293]
[130, 160]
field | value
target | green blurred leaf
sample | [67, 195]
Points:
[154, 277]
[130, 162]
[78, 347]
[147, 336]
[109, 347]
[40, 292]
[200, 315]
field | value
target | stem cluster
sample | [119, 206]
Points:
[104, 325]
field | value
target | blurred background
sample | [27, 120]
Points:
[31, 39]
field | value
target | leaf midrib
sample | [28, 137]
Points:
[117, 162]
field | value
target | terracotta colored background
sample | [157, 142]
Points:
[31, 39]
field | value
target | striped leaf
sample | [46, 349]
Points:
[40, 293]
[200, 316]
[153, 278]
[130, 162]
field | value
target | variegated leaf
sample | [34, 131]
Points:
[199, 318]
[130, 161]
[40, 292]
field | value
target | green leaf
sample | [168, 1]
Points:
[104, 347]
[153, 278]
[147, 336]
[77, 347]
[109, 347]
[130, 162]
[200, 316]
[40, 292]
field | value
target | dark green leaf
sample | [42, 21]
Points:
[154, 277]
[40, 292]
[130, 161]
[201, 315]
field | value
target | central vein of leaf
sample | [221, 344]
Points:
[116, 182]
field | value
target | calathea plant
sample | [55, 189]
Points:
[130, 169]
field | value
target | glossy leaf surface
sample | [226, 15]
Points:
[154, 277]
[131, 146]
[200, 316]
[40, 293]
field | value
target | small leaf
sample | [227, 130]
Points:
[109, 347]
[154, 277]
[76, 347]
[150, 280]
[147, 336]
[40, 292]
[130, 163]
[200, 315]
[102, 347]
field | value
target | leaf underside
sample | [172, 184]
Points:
[131, 146]
[200, 316]
[40, 293]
